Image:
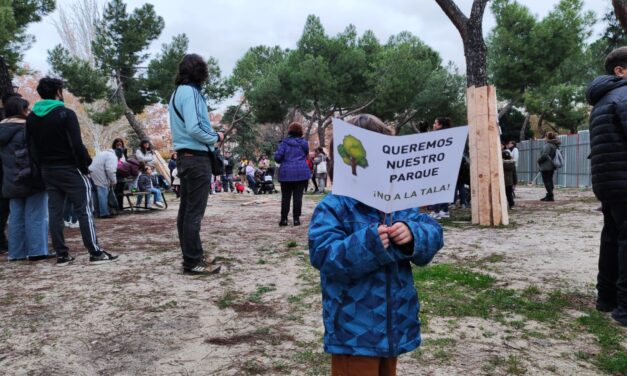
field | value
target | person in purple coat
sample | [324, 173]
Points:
[293, 172]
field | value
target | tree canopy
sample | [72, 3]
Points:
[542, 65]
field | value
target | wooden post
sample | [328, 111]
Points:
[487, 186]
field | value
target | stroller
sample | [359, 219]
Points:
[265, 181]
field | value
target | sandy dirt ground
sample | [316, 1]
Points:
[262, 314]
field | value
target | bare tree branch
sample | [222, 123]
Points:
[76, 26]
[358, 109]
[507, 107]
[457, 17]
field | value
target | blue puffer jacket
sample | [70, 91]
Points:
[370, 305]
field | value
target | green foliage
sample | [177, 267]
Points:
[82, 80]
[245, 134]
[15, 16]
[120, 44]
[404, 80]
[163, 68]
[510, 126]
[108, 115]
[613, 37]
[542, 64]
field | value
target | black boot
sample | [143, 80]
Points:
[283, 222]
[296, 222]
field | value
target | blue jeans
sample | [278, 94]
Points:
[28, 226]
[103, 200]
[155, 191]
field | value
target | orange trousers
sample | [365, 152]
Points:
[349, 365]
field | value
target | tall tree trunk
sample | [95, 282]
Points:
[620, 9]
[128, 113]
[523, 129]
[6, 85]
[471, 31]
[320, 130]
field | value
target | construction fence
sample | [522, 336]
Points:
[576, 170]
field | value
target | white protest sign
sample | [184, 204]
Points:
[393, 173]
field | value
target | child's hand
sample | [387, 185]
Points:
[383, 234]
[400, 233]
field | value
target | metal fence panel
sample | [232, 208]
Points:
[576, 170]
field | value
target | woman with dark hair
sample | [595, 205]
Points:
[145, 153]
[28, 221]
[193, 140]
[118, 143]
[172, 165]
[293, 172]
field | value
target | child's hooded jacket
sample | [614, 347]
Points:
[370, 305]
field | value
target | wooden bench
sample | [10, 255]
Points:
[131, 205]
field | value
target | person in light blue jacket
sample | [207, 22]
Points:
[193, 139]
[370, 304]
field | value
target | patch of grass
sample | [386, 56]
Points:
[292, 244]
[227, 299]
[253, 367]
[613, 357]
[311, 358]
[514, 366]
[261, 262]
[256, 296]
[448, 290]
[163, 307]
[8, 299]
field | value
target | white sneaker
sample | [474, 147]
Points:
[443, 214]
[74, 225]
[159, 204]
[66, 223]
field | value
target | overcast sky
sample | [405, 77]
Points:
[225, 29]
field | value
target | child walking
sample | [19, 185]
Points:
[370, 304]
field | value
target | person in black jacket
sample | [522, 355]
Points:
[55, 143]
[608, 145]
[22, 185]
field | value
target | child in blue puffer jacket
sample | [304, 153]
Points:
[370, 304]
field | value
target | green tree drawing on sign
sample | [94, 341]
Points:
[353, 153]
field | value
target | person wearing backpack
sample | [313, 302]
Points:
[608, 161]
[547, 168]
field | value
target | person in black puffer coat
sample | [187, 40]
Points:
[28, 221]
[608, 143]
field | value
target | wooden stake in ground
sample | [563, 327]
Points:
[487, 186]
